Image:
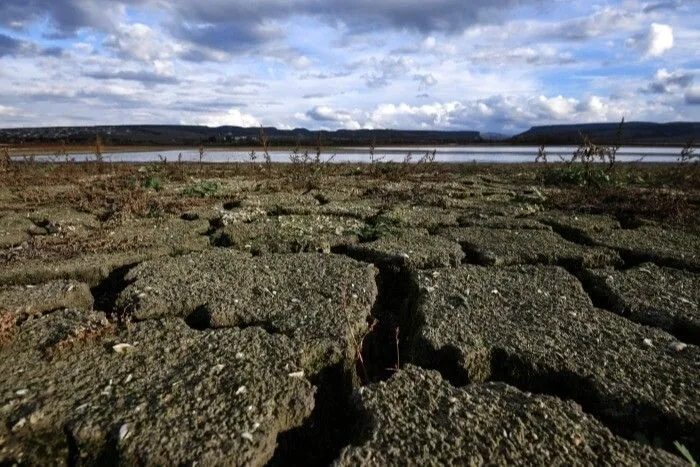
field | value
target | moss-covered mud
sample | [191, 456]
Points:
[312, 315]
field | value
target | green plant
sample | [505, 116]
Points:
[153, 183]
[685, 453]
[202, 189]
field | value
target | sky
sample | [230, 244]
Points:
[491, 66]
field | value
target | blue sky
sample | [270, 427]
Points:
[496, 65]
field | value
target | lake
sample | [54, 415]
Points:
[482, 154]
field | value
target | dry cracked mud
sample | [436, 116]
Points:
[360, 318]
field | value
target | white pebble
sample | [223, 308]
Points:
[297, 374]
[679, 346]
[124, 432]
[248, 436]
[18, 426]
[122, 348]
[241, 390]
[648, 342]
[240, 355]
[22, 392]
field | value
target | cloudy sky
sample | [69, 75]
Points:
[492, 65]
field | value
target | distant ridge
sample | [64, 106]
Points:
[227, 135]
[632, 133]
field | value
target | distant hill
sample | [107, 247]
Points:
[638, 133]
[677, 133]
[227, 135]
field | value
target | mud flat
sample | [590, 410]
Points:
[376, 316]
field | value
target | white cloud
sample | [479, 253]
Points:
[659, 40]
[233, 117]
[692, 96]
[8, 111]
[341, 118]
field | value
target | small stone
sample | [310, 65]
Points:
[679, 346]
[241, 390]
[648, 342]
[124, 432]
[217, 368]
[247, 435]
[297, 374]
[18, 426]
[22, 392]
[122, 348]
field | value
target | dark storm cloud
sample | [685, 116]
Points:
[230, 26]
[237, 26]
[145, 77]
[665, 5]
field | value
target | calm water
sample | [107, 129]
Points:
[492, 154]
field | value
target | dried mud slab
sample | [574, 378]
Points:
[290, 234]
[14, 229]
[666, 298]
[160, 393]
[419, 416]
[496, 247]
[498, 222]
[430, 218]
[27, 301]
[89, 268]
[93, 258]
[414, 248]
[535, 328]
[665, 247]
[578, 227]
[320, 301]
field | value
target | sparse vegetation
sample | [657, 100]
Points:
[583, 169]
[688, 153]
[202, 189]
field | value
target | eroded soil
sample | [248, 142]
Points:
[315, 315]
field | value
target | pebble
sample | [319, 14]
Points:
[679, 346]
[122, 348]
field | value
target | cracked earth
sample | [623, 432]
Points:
[458, 319]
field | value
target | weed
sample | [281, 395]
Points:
[99, 156]
[307, 170]
[541, 155]
[5, 160]
[685, 453]
[688, 153]
[265, 144]
[202, 189]
[582, 169]
[153, 183]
